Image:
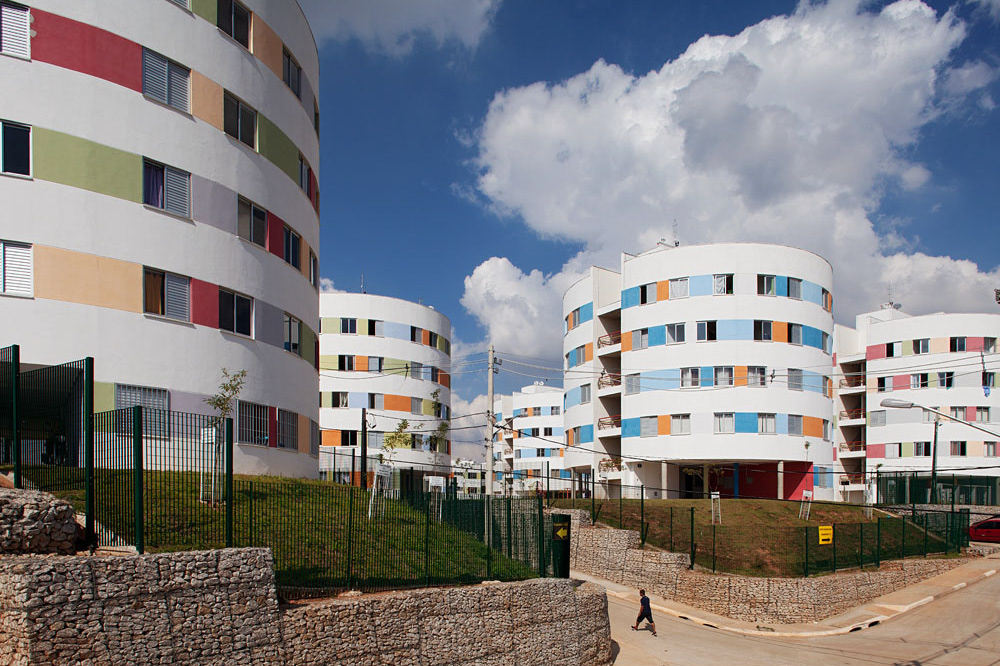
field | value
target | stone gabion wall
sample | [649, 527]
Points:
[615, 555]
[208, 607]
[547, 621]
[36, 522]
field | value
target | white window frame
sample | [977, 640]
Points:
[640, 339]
[723, 375]
[675, 333]
[795, 379]
[288, 429]
[724, 423]
[680, 424]
[255, 213]
[237, 296]
[293, 334]
[31, 160]
[704, 333]
[647, 293]
[585, 394]
[722, 284]
[166, 81]
[288, 65]
[983, 414]
[176, 189]
[958, 449]
[922, 346]
[765, 328]
[795, 425]
[648, 426]
[17, 269]
[416, 405]
[876, 418]
[241, 108]
[175, 295]
[252, 426]
[679, 288]
[795, 334]
[350, 324]
[15, 30]
[756, 376]
[690, 377]
[767, 424]
[795, 285]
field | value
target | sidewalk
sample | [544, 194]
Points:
[870, 614]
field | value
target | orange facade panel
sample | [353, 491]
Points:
[397, 403]
[812, 426]
[589, 352]
[361, 363]
[626, 341]
[663, 290]
[331, 438]
[444, 379]
[425, 336]
[741, 375]
[779, 331]
[663, 424]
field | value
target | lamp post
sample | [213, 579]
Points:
[895, 403]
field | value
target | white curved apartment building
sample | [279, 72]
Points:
[945, 361]
[158, 179]
[530, 447]
[392, 358]
[704, 368]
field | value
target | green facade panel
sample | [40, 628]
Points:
[104, 397]
[906, 450]
[207, 9]
[328, 362]
[69, 160]
[329, 325]
[428, 407]
[308, 345]
[275, 145]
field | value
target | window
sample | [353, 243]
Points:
[922, 449]
[929, 417]
[432, 339]
[795, 334]
[415, 334]
[946, 379]
[348, 437]
[958, 449]
[375, 363]
[556, 411]
[252, 426]
[435, 375]
[765, 285]
[827, 341]
[983, 414]
[647, 426]
[180, 3]
[340, 399]
[690, 377]
[16, 269]
[316, 116]
[252, 222]
[155, 424]
[234, 20]
[958, 344]
[794, 288]
[766, 424]
[919, 380]
[235, 312]
[166, 294]
[756, 375]
[376, 327]
[291, 73]
[547, 432]
[585, 394]
[345, 362]
[876, 418]
[164, 80]
[892, 349]
[293, 247]
[892, 450]
[680, 424]
[827, 432]
[288, 429]
[794, 379]
[724, 375]
[640, 338]
[647, 293]
[724, 422]
[293, 334]
[15, 145]
[239, 120]
[679, 288]
[706, 330]
[884, 384]
[166, 188]
[314, 439]
[313, 270]
[675, 333]
[958, 413]
[416, 406]
[15, 33]
[795, 424]
[416, 370]
[761, 329]
[989, 345]
[827, 301]
[376, 401]
[989, 380]
[348, 325]
[991, 449]
[722, 284]
[922, 346]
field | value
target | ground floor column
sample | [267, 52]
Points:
[781, 479]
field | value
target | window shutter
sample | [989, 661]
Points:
[177, 199]
[178, 297]
[178, 89]
[182, 3]
[17, 269]
[154, 75]
[14, 31]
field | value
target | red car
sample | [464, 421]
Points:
[986, 530]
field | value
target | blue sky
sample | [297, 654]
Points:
[477, 155]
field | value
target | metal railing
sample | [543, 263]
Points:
[853, 447]
[851, 479]
[852, 382]
[606, 381]
[852, 414]
[609, 422]
[609, 340]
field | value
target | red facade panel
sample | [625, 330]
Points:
[272, 427]
[974, 344]
[204, 303]
[970, 414]
[875, 451]
[275, 235]
[798, 476]
[900, 382]
[83, 48]
[874, 352]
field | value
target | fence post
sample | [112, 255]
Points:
[427, 540]
[137, 512]
[593, 501]
[925, 536]
[15, 368]
[691, 566]
[229, 483]
[250, 536]
[671, 529]
[805, 562]
[861, 545]
[621, 503]
[510, 528]
[834, 534]
[88, 451]
[713, 546]
[878, 542]
[642, 513]
[350, 524]
[902, 541]
[541, 539]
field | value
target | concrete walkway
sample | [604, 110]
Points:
[870, 614]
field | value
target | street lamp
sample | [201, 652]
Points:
[896, 403]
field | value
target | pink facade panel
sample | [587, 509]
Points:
[875, 352]
[900, 382]
[974, 344]
[876, 451]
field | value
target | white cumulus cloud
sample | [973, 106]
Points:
[326, 287]
[788, 132]
[469, 429]
[393, 26]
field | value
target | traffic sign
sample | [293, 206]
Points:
[825, 534]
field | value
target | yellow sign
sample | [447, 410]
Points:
[825, 534]
[561, 533]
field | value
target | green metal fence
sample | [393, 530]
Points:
[9, 436]
[897, 488]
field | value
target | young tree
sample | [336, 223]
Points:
[229, 390]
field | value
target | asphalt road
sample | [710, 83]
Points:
[962, 628]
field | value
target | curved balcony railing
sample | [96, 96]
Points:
[852, 414]
[610, 465]
[853, 447]
[609, 340]
[851, 479]
[609, 422]
[852, 382]
[609, 380]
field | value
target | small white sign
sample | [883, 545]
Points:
[435, 482]
[382, 469]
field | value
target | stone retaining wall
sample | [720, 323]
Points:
[547, 621]
[36, 522]
[615, 555]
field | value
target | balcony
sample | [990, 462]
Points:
[852, 384]
[607, 381]
[852, 415]
[852, 481]
[609, 340]
[852, 449]
[609, 422]
[610, 468]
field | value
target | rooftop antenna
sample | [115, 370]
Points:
[890, 305]
[677, 240]
[363, 284]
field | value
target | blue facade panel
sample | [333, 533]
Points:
[708, 376]
[659, 380]
[657, 335]
[746, 422]
[812, 337]
[586, 312]
[571, 358]
[781, 285]
[586, 434]
[396, 331]
[812, 292]
[357, 400]
[630, 297]
[572, 397]
[700, 285]
[812, 381]
[558, 432]
[630, 427]
[734, 329]
[781, 424]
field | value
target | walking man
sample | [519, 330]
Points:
[644, 613]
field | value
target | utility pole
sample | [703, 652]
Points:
[937, 422]
[364, 448]
[490, 419]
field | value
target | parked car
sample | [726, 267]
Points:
[986, 530]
